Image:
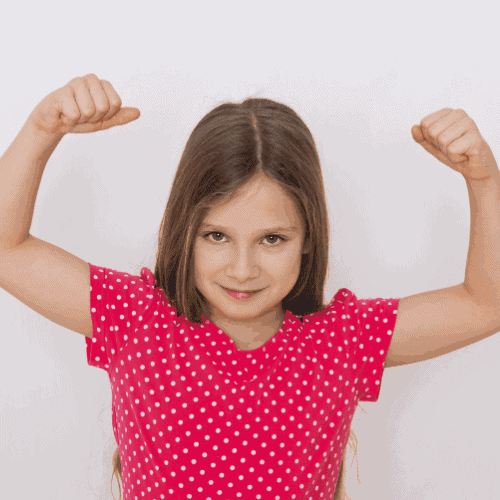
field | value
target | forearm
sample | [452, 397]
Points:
[482, 273]
[21, 170]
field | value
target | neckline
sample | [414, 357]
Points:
[239, 365]
[266, 346]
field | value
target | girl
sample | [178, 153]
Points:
[230, 376]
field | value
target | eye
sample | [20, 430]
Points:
[276, 238]
[272, 238]
[217, 233]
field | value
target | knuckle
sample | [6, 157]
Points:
[77, 80]
[116, 102]
[102, 110]
[67, 92]
[73, 116]
[441, 140]
[113, 97]
[432, 130]
[91, 76]
[88, 113]
[424, 123]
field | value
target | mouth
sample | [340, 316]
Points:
[240, 295]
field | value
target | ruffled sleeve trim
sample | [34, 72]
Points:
[149, 279]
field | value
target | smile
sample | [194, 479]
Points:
[240, 295]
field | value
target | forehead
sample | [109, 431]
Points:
[260, 202]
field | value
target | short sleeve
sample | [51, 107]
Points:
[120, 304]
[377, 319]
[365, 327]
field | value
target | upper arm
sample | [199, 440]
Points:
[434, 323]
[49, 280]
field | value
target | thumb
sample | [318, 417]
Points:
[121, 117]
[418, 136]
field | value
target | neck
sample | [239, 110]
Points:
[251, 334]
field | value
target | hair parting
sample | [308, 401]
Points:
[230, 145]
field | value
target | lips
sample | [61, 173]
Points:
[240, 295]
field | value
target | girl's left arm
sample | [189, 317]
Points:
[434, 323]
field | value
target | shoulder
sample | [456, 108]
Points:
[343, 299]
[117, 285]
[346, 306]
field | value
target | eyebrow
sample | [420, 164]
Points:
[276, 229]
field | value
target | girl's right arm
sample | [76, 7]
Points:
[46, 278]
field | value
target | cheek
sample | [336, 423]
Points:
[208, 263]
[295, 265]
[285, 263]
[207, 258]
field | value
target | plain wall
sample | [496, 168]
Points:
[360, 75]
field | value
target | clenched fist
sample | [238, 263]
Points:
[452, 137]
[85, 104]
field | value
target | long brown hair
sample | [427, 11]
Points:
[229, 145]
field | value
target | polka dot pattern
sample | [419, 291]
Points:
[195, 418]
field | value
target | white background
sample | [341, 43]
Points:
[360, 74]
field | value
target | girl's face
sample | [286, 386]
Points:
[254, 242]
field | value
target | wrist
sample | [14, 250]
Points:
[39, 137]
[492, 180]
[35, 126]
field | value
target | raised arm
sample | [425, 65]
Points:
[434, 323]
[46, 278]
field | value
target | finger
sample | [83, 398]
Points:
[436, 152]
[452, 133]
[458, 149]
[99, 97]
[426, 122]
[416, 132]
[429, 120]
[70, 113]
[83, 98]
[115, 102]
[442, 125]
[122, 117]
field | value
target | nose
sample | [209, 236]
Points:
[243, 266]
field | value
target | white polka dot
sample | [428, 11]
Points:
[200, 418]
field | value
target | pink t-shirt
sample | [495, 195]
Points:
[197, 419]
